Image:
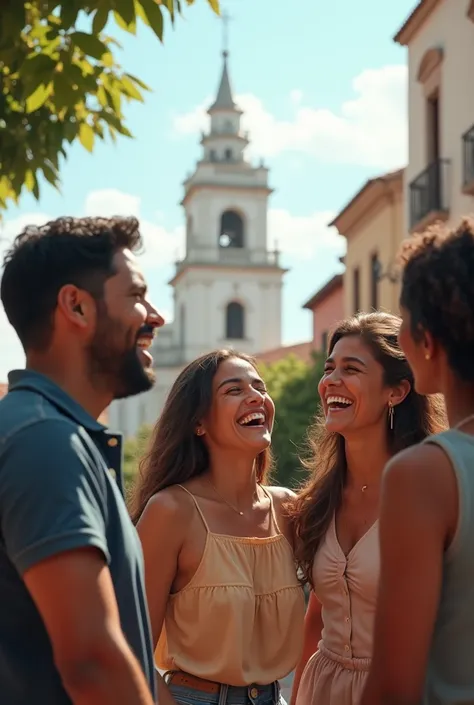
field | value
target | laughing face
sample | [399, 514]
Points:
[125, 326]
[351, 390]
[242, 413]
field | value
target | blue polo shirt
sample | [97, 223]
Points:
[58, 491]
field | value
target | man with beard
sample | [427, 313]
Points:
[74, 622]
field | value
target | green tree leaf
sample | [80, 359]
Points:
[126, 10]
[68, 14]
[65, 94]
[52, 95]
[133, 451]
[154, 16]
[131, 90]
[50, 175]
[130, 28]
[38, 97]
[169, 4]
[90, 45]
[100, 19]
[293, 385]
[37, 63]
[30, 180]
[36, 190]
[86, 136]
[102, 96]
[137, 81]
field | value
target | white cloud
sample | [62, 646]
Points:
[109, 202]
[296, 96]
[302, 237]
[11, 228]
[161, 246]
[370, 129]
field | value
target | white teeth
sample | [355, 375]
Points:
[144, 343]
[256, 416]
[338, 400]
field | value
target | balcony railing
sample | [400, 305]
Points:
[468, 158]
[231, 256]
[429, 192]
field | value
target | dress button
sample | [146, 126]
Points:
[346, 648]
[253, 692]
[112, 442]
[348, 619]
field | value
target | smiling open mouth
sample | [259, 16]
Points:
[338, 402]
[144, 342]
[257, 418]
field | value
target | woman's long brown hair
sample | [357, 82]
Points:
[415, 418]
[176, 453]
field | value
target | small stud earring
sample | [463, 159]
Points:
[427, 356]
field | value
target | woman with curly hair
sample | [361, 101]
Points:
[370, 411]
[424, 629]
[225, 602]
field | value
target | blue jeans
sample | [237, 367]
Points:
[229, 695]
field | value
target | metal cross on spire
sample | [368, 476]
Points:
[225, 18]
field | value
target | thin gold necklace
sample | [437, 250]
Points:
[237, 511]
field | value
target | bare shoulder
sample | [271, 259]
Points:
[422, 472]
[169, 507]
[280, 495]
[418, 465]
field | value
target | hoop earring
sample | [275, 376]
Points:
[390, 414]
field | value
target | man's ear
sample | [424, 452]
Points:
[76, 306]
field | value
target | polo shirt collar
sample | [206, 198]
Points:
[41, 384]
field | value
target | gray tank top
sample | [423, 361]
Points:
[450, 674]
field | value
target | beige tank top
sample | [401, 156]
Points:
[240, 618]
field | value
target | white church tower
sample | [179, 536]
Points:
[228, 287]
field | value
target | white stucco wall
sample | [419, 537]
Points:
[449, 29]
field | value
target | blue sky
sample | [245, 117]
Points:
[324, 90]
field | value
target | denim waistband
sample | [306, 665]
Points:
[255, 694]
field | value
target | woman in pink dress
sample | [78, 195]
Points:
[370, 412]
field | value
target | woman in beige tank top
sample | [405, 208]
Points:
[370, 411]
[225, 603]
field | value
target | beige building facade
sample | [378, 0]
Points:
[327, 307]
[439, 178]
[373, 225]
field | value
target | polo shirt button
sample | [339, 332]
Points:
[112, 442]
[253, 692]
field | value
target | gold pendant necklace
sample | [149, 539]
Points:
[237, 511]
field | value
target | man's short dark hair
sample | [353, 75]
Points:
[65, 251]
